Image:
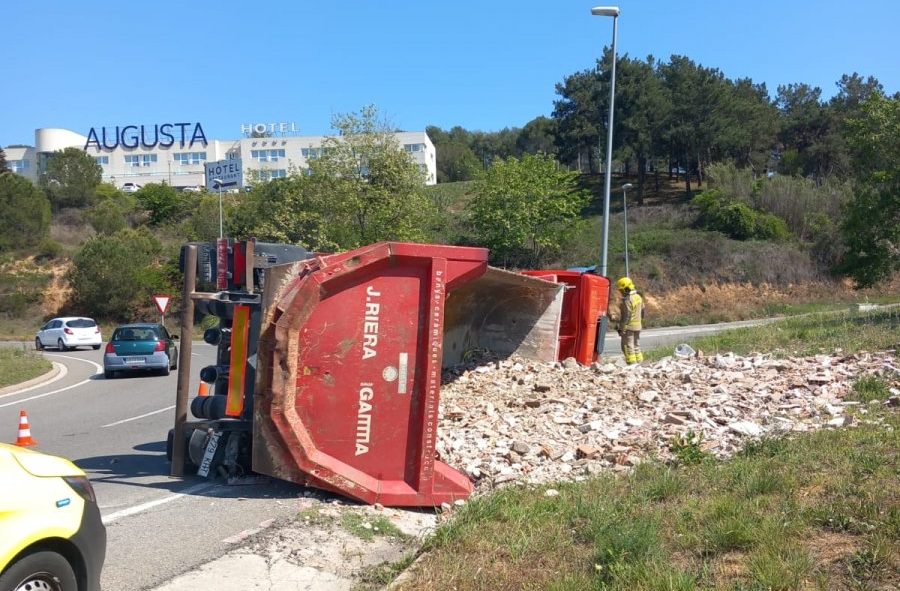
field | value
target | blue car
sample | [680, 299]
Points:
[140, 348]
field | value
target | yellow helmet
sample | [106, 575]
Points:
[624, 284]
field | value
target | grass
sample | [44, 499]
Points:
[18, 365]
[848, 332]
[367, 529]
[818, 511]
[821, 511]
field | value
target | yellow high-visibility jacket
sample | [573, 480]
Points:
[630, 311]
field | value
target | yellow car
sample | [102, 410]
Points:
[51, 535]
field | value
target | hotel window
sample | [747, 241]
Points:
[19, 166]
[189, 157]
[137, 160]
[269, 174]
[102, 160]
[311, 153]
[267, 155]
[414, 147]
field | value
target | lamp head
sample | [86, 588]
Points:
[605, 11]
[627, 186]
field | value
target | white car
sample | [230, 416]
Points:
[69, 333]
[130, 188]
[192, 189]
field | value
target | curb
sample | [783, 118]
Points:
[54, 371]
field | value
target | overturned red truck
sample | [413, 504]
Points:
[328, 367]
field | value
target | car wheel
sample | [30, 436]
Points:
[109, 374]
[61, 345]
[38, 345]
[41, 570]
[164, 371]
[95, 347]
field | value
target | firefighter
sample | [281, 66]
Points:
[631, 311]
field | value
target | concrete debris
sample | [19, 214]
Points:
[519, 421]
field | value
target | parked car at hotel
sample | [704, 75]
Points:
[130, 188]
[69, 333]
[51, 533]
[195, 189]
[140, 348]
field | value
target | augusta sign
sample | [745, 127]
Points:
[163, 135]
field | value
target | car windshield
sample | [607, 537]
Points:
[135, 334]
[81, 323]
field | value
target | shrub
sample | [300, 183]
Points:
[113, 275]
[48, 249]
[736, 219]
[24, 213]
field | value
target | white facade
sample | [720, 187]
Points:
[176, 153]
[22, 160]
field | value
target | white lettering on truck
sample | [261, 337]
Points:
[370, 323]
[364, 418]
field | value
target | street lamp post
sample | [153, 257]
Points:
[612, 11]
[625, 188]
[217, 183]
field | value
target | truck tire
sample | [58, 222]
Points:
[188, 466]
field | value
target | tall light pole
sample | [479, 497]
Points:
[217, 183]
[625, 188]
[612, 11]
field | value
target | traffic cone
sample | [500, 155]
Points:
[24, 438]
[203, 389]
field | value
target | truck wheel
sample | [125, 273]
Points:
[189, 466]
[41, 570]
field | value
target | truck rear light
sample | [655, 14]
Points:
[110, 349]
[160, 346]
[68, 330]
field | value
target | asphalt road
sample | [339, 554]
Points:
[655, 338]
[115, 430]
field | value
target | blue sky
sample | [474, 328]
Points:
[482, 65]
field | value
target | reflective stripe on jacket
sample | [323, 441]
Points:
[630, 311]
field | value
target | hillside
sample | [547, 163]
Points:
[688, 274]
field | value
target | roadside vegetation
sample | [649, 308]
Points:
[810, 334]
[811, 511]
[18, 365]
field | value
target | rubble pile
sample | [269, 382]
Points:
[520, 421]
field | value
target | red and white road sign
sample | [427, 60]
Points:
[162, 302]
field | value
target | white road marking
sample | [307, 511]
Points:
[146, 414]
[63, 370]
[45, 394]
[151, 504]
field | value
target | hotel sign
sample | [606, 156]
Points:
[269, 129]
[146, 136]
[224, 174]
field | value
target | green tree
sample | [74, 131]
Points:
[577, 113]
[285, 210]
[162, 201]
[871, 225]
[456, 162]
[538, 137]
[365, 186]
[643, 109]
[4, 167]
[71, 179]
[525, 210]
[112, 275]
[810, 133]
[24, 213]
